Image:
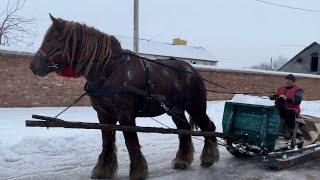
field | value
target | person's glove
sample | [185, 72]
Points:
[273, 96]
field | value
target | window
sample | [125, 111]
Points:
[299, 60]
[314, 61]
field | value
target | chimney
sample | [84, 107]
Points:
[178, 41]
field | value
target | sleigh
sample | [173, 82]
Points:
[123, 85]
[263, 126]
[249, 130]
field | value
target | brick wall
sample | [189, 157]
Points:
[250, 81]
[20, 88]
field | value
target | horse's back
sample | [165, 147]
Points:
[176, 64]
[179, 72]
[179, 81]
[179, 68]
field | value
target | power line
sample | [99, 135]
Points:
[289, 7]
[155, 37]
[292, 45]
[244, 58]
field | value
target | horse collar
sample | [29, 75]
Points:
[106, 89]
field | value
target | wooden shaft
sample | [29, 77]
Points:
[54, 122]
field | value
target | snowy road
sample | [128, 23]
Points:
[38, 153]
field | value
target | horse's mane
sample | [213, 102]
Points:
[87, 46]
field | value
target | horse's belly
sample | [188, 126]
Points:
[150, 110]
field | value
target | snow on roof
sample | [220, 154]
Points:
[166, 49]
[145, 47]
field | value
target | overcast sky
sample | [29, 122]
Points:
[237, 32]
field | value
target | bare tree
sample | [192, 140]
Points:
[273, 65]
[14, 28]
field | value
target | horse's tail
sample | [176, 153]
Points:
[193, 124]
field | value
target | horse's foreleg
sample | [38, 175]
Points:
[184, 156]
[107, 163]
[138, 164]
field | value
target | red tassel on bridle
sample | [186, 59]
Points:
[68, 71]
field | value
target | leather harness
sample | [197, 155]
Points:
[106, 89]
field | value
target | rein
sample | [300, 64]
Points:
[245, 93]
[101, 89]
[210, 82]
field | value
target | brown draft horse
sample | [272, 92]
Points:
[72, 49]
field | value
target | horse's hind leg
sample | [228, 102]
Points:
[210, 152]
[107, 163]
[184, 156]
[138, 164]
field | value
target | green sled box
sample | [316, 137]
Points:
[259, 122]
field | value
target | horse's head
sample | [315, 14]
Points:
[49, 57]
[72, 49]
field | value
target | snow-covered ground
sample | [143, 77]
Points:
[57, 153]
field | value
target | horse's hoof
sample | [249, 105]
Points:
[98, 173]
[138, 178]
[101, 176]
[138, 167]
[179, 166]
[97, 176]
[206, 164]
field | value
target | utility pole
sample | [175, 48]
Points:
[271, 64]
[136, 27]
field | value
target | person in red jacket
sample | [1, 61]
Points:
[287, 101]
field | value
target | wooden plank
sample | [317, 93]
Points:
[279, 163]
[54, 122]
[229, 122]
[263, 128]
[227, 117]
[293, 152]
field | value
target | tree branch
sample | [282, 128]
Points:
[15, 29]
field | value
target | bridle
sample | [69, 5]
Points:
[49, 58]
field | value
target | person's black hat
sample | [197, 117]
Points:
[291, 77]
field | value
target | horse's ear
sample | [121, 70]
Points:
[57, 24]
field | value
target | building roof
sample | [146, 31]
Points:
[308, 47]
[145, 47]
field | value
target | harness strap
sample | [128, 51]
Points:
[149, 86]
[54, 55]
[125, 75]
[107, 90]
